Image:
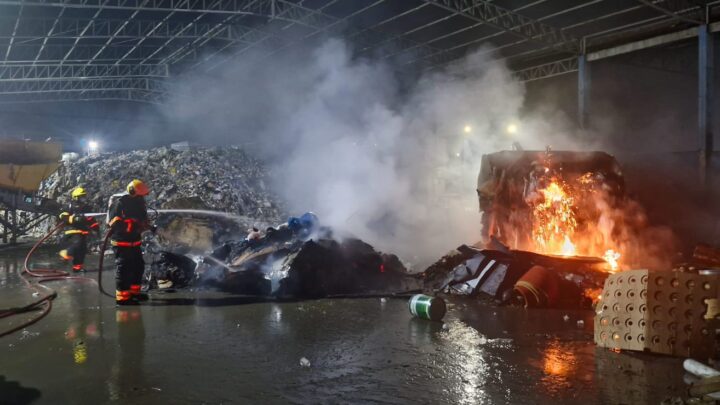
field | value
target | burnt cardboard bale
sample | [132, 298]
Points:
[659, 312]
[505, 178]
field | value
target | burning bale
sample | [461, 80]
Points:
[557, 203]
[554, 226]
[568, 203]
[298, 259]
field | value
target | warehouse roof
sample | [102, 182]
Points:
[133, 49]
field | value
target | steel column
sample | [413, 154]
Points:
[584, 88]
[705, 99]
[6, 230]
[13, 222]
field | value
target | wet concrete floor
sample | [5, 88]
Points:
[212, 348]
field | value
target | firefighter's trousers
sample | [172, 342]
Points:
[129, 271]
[76, 250]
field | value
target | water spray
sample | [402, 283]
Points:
[188, 211]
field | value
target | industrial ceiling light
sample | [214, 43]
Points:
[93, 147]
[467, 129]
[511, 129]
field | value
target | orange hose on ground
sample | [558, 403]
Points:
[45, 302]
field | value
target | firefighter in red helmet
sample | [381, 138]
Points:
[128, 219]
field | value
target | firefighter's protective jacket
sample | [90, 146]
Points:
[75, 221]
[128, 219]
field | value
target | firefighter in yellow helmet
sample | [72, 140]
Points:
[128, 219]
[77, 228]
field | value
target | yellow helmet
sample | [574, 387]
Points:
[78, 192]
[137, 187]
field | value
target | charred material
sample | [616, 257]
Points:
[351, 266]
[170, 270]
[518, 277]
[296, 260]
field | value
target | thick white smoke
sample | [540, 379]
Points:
[396, 166]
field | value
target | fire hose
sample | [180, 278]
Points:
[100, 264]
[45, 302]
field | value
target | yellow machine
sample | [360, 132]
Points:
[23, 167]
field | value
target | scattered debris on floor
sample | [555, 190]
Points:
[26, 334]
[518, 277]
[297, 259]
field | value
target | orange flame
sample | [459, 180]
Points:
[555, 221]
[612, 257]
[555, 224]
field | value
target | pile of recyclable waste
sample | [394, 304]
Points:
[297, 259]
[221, 179]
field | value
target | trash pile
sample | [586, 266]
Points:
[222, 179]
[296, 259]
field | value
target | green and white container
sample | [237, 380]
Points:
[427, 307]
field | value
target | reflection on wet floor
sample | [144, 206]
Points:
[205, 347]
[467, 358]
[560, 367]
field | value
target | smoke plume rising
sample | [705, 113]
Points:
[394, 165]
